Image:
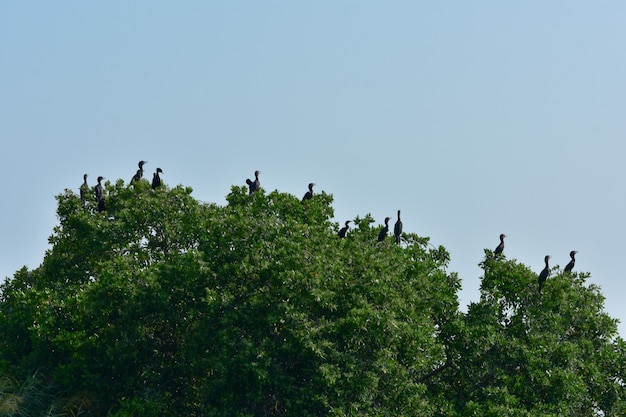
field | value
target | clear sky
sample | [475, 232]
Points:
[473, 118]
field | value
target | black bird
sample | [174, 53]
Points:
[344, 230]
[254, 185]
[397, 229]
[100, 195]
[98, 189]
[156, 180]
[84, 188]
[500, 247]
[570, 265]
[139, 175]
[101, 206]
[383, 232]
[543, 275]
[309, 194]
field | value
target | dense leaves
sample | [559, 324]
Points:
[163, 305]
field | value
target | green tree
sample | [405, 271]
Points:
[163, 305]
[526, 353]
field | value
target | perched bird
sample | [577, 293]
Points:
[397, 229]
[254, 185]
[98, 189]
[570, 265]
[84, 188]
[344, 230]
[101, 206]
[100, 195]
[383, 232]
[543, 275]
[309, 194]
[139, 175]
[156, 180]
[500, 247]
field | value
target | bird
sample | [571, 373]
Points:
[570, 265]
[139, 175]
[543, 275]
[98, 189]
[84, 187]
[344, 230]
[397, 229]
[156, 180]
[101, 206]
[383, 232]
[309, 194]
[500, 247]
[100, 195]
[254, 185]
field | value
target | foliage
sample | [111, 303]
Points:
[527, 353]
[164, 305]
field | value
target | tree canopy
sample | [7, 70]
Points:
[165, 305]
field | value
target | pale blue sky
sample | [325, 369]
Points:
[474, 118]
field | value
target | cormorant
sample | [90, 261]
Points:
[397, 229]
[156, 180]
[100, 195]
[84, 187]
[500, 247]
[254, 185]
[570, 265]
[344, 230]
[543, 275]
[139, 175]
[309, 194]
[383, 232]
[101, 206]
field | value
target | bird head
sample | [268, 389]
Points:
[141, 163]
[572, 253]
[159, 170]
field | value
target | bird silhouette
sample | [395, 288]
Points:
[570, 265]
[100, 195]
[84, 188]
[500, 247]
[156, 180]
[397, 229]
[254, 185]
[344, 229]
[383, 232]
[139, 175]
[543, 275]
[309, 194]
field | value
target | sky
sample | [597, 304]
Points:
[473, 118]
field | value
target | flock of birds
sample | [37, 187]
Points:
[545, 272]
[254, 185]
[99, 191]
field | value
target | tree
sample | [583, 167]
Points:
[164, 305]
[526, 353]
